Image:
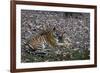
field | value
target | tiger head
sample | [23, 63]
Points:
[60, 39]
[56, 38]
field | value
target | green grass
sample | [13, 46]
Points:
[51, 55]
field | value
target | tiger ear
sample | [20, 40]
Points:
[54, 28]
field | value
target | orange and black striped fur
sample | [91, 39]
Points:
[46, 37]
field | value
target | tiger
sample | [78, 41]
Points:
[45, 37]
[48, 37]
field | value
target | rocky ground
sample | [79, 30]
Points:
[76, 28]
